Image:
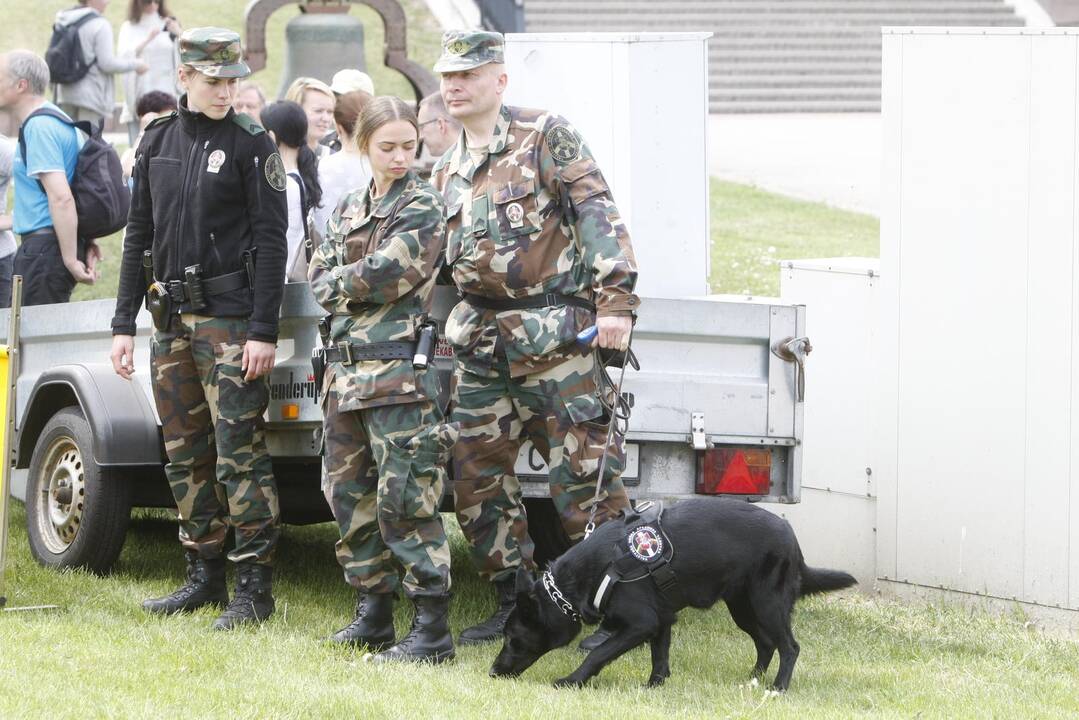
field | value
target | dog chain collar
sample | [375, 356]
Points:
[557, 597]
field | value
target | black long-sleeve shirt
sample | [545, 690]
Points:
[205, 191]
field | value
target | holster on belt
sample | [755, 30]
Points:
[159, 303]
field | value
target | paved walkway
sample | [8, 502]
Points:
[830, 158]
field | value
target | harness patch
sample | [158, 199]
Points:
[645, 543]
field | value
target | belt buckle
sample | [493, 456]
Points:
[344, 348]
[176, 292]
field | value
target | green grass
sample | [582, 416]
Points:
[101, 656]
[752, 230]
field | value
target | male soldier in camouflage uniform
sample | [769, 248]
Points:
[385, 442]
[540, 253]
[209, 191]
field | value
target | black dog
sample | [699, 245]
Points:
[722, 549]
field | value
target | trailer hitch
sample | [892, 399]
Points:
[795, 350]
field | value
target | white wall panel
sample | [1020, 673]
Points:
[640, 101]
[976, 450]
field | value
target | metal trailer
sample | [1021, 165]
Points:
[714, 407]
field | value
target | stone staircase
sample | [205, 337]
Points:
[776, 55]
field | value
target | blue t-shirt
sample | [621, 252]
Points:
[51, 146]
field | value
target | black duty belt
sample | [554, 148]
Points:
[526, 303]
[349, 353]
[179, 293]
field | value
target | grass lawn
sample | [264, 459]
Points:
[752, 230]
[101, 656]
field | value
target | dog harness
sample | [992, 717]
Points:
[645, 552]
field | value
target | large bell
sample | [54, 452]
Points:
[319, 44]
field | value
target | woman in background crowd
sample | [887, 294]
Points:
[148, 34]
[150, 106]
[250, 100]
[317, 100]
[287, 124]
[347, 170]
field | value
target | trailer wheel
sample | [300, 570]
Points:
[76, 511]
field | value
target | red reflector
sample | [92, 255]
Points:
[735, 471]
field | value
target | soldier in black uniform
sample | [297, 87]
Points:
[206, 246]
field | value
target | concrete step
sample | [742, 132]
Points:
[797, 81]
[797, 93]
[868, 42]
[783, 6]
[796, 56]
[720, 69]
[800, 106]
[721, 28]
[660, 11]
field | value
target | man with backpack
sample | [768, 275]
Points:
[45, 214]
[81, 62]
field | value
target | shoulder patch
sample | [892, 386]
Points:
[248, 124]
[162, 119]
[275, 172]
[563, 143]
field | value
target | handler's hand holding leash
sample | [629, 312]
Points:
[612, 333]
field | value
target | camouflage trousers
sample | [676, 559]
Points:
[560, 412]
[219, 470]
[386, 471]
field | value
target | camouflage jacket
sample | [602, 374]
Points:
[534, 216]
[374, 273]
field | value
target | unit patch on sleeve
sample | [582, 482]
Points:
[563, 143]
[275, 172]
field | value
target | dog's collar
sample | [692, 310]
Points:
[558, 598]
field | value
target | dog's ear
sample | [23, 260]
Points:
[525, 580]
[527, 605]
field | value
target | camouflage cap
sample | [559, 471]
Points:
[466, 49]
[214, 52]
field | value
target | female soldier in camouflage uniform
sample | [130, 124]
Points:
[385, 442]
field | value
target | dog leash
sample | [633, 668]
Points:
[613, 410]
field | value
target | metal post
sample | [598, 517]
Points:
[9, 455]
[9, 424]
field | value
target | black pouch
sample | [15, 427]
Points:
[318, 365]
[159, 303]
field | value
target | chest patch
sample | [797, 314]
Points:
[215, 161]
[515, 212]
[275, 172]
[645, 543]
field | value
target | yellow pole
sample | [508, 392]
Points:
[9, 371]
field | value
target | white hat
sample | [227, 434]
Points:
[346, 81]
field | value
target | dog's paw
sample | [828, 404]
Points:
[568, 682]
[656, 680]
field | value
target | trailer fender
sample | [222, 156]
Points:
[121, 418]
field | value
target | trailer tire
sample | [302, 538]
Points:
[77, 512]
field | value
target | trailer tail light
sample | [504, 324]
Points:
[734, 471]
[290, 411]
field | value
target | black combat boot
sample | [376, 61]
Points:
[373, 624]
[205, 586]
[253, 601]
[429, 640]
[491, 629]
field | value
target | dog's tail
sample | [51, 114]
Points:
[821, 580]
